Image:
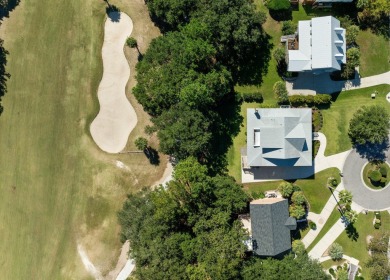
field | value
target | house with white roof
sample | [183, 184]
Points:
[279, 137]
[318, 46]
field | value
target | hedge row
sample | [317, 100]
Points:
[252, 97]
[319, 99]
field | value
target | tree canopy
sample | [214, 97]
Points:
[370, 124]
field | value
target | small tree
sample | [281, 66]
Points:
[131, 42]
[279, 54]
[351, 216]
[336, 251]
[298, 247]
[286, 189]
[353, 57]
[289, 27]
[298, 198]
[280, 91]
[351, 34]
[141, 143]
[345, 196]
[297, 211]
[369, 125]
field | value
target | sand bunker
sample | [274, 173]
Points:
[116, 119]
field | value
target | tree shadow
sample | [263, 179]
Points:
[7, 7]
[373, 152]
[281, 15]
[352, 233]
[152, 155]
[255, 64]
[113, 13]
[4, 76]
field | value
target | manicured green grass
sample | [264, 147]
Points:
[333, 218]
[357, 248]
[57, 188]
[373, 60]
[337, 117]
[306, 13]
[314, 189]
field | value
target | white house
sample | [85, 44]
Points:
[319, 46]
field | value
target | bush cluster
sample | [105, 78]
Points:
[297, 200]
[310, 100]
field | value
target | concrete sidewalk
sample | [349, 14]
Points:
[320, 219]
[330, 237]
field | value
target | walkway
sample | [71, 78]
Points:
[320, 219]
[116, 119]
[309, 84]
[330, 237]
[369, 199]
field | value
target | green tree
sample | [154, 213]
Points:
[352, 32]
[280, 92]
[131, 42]
[187, 230]
[297, 211]
[369, 125]
[279, 54]
[289, 27]
[336, 251]
[351, 216]
[353, 57]
[286, 189]
[141, 143]
[298, 198]
[289, 267]
[298, 247]
[183, 132]
[345, 196]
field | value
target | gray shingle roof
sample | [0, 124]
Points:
[279, 137]
[270, 226]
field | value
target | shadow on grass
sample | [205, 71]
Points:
[281, 15]
[373, 152]
[4, 76]
[152, 155]
[114, 13]
[352, 233]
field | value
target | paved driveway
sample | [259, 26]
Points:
[362, 195]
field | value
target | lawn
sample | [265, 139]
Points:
[314, 189]
[375, 60]
[337, 117]
[57, 188]
[333, 218]
[356, 248]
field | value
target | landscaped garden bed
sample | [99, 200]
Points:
[376, 175]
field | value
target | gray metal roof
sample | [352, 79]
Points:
[322, 46]
[279, 137]
[270, 234]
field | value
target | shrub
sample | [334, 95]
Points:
[289, 27]
[310, 100]
[296, 188]
[297, 211]
[342, 274]
[383, 170]
[331, 271]
[353, 57]
[280, 92]
[286, 189]
[298, 247]
[298, 198]
[383, 180]
[257, 195]
[351, 34]
[278, 5]
[377, 226]
[375, 176]
[312, 225]
[336, 252]
[334, 182]
[279, 54]
[252, 97]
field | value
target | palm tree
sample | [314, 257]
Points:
[351, 216]
[345, 197]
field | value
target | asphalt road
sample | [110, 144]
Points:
[367, 198]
